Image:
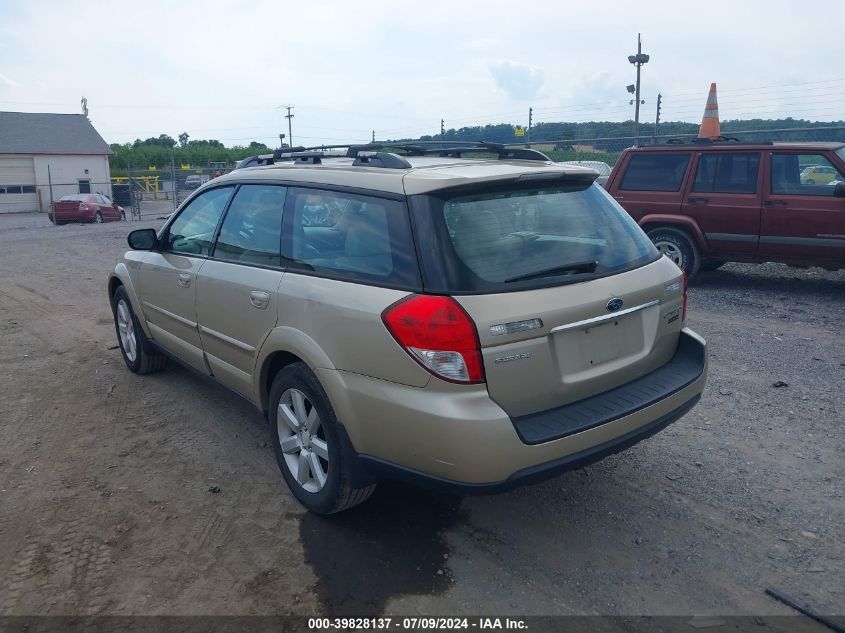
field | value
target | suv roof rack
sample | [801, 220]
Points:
[710, 141]
[454, 150]
[370, 154]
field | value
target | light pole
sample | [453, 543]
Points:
[638, 60]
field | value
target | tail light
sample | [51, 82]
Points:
[83, 206]
[684, 310]
[438, 334]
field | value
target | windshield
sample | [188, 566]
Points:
[533, 237]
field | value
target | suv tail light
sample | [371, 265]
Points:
[684, 310]
[438, 334]
[83, 206]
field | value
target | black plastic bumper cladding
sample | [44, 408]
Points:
[533, 474]
[685, 367]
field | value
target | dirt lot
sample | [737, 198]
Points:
[104, 477]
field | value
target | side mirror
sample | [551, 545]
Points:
[142, 240]
[839, 189]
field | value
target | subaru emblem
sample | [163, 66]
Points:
[614, 304]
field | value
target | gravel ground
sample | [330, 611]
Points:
[105, 505]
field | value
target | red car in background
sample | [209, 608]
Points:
[86, 207]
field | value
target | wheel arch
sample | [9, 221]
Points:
[282, 347]
[120, 278]
[653, 221]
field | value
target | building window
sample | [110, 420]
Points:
[85, 186]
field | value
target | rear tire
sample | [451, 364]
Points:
[678, 246]
[711, 264]
[123, 216]
[140, 357]
[309, 444]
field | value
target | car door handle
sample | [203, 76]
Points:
[697, 200]
[774, 203]
[259, 299]
[184, 280]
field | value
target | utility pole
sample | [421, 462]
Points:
[442, 127]
[530, 121]
[638, 60]
[289, 116]
[657, 117]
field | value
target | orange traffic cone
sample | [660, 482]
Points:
[710, 123]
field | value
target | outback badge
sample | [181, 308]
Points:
[614, 304]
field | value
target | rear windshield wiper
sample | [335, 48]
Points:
[575, 267]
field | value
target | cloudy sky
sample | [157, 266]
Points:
[223, 69]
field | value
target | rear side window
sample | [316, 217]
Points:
[655, 172]
[252, 229]
[727, 172]
[518, 238]
[349, 236]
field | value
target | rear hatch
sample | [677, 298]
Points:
[569, 296]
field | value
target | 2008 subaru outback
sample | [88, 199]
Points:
[470, 323]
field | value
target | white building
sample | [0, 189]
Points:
[46, 156]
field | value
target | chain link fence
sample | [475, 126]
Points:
[156, 192]
[607, 150]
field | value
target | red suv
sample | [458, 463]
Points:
[704, 204]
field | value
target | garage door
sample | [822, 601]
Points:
[17, 185]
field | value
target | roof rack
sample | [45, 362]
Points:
[710, 141]
[371, 154]
[456, 150]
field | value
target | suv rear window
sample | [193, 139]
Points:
[517, 238]
[655, 172]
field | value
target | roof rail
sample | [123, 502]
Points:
[456, 150]
[370, 154]
[711, 141]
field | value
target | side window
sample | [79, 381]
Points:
[191, 233]
[729, 172]
[803, 175]
[252, 229]
[356, 238]
[655, 172]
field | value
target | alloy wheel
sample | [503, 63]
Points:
[303, 440]
[126, 330]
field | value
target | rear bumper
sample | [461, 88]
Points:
[531, 474]
[456, 437]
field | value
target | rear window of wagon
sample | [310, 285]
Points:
[511, 238]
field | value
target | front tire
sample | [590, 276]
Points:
[309, 445]
[98, 218]
[140, 357]
[678, 246]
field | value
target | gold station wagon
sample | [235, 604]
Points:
[406, 311]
